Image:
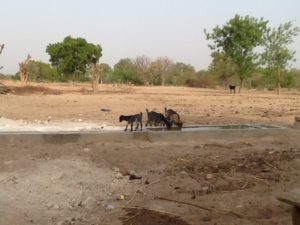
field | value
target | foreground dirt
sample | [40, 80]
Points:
[196, 181]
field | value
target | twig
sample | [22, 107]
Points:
[269, 164]
[245, 185]
[261, 180]
[125, 206]
[185, 203]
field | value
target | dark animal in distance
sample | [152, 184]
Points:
[155, 118]
[232, 88]
[137, 118]
[173, 117]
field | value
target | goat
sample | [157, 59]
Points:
[155, 119]
[137, 118]
[232, 88]
[173, 117]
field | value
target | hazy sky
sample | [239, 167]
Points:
[129, 28]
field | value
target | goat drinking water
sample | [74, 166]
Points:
[173, 117]
[155, 118]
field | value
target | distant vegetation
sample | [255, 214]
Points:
[245, 52]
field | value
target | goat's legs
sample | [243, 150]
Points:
[131, 125]
[126, 127]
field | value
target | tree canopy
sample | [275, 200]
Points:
[277, 55]
[73, 55]
[237, 39]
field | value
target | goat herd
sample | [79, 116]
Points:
[170, 118]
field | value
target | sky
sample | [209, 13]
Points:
[129, 28]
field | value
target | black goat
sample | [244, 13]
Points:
[137, 118]
[173, 117]
[155, 118]
[232, 88]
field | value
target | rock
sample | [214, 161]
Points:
[133, 175]
[86, 149]
[209, 176]
[116, 169]
[56, 207]
[49, 205]
[205, 189]
[119, 175]
[105, 110]
[109, 207]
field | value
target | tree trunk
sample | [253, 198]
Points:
[241, 84]
[96, 76]
[278, 86]
[163, 81]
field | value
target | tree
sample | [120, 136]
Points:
[125, 72]
[40, 71]
[238, 39]
[142, 64]
[96, 76]
[277, 55]
[222, 67]
[106, 73]
[161, 69]
[181, 73]
[23, 69]
[1, 49]
[73, 55]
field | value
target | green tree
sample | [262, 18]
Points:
[181, 73]
[277, 55]
[106, 73]
[72, 56]
[39, 71]
[222, 68]
[238, 39]
[125, 72]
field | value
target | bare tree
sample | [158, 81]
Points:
[23, 69]
[142, 64]
[96, 76]
[1, 49]
[162, 68]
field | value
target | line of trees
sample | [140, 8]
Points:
[245, 51]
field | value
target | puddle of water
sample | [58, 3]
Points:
[216, 127]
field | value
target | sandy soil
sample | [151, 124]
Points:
[196, 180]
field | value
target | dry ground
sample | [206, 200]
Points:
[190, 179]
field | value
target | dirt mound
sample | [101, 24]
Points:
[150, 217]
[219, 175]
[29, 89]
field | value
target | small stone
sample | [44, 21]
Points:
[49, 205]
[205, 189]
[56, 207]
[86, 149]
[209, 176]
[109, 207]
[116, 169]
[119, 175]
